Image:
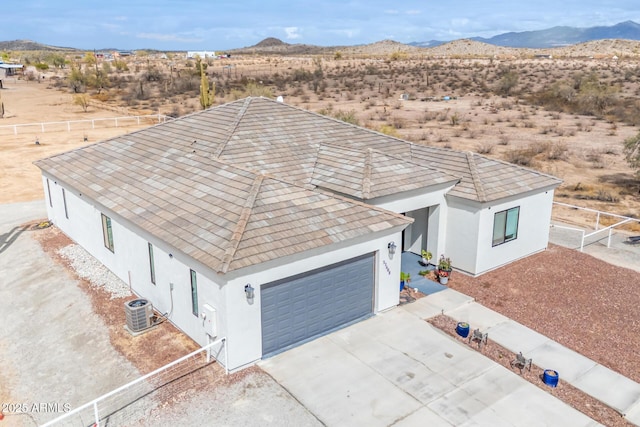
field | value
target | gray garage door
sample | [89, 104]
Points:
[310, 304]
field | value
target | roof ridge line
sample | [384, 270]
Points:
[233, 127]
[477, 183]
[366, 174]
[241, 225]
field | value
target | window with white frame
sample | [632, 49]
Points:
[505, 226]
[107, 232]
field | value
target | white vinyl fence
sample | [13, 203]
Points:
[69, 125]
[125, 404]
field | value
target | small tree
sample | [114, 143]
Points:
[82, 100]
[77, 80]
[632, 152]
[508, 81]
[206, 94]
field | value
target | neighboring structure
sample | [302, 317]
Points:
[202, 54]
[280, 224]
[7, 70]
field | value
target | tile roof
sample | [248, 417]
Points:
[483, 179]
[221, 215]
[234, 185]
[367, 174]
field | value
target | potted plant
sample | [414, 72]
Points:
[426, 257]
[444, 269]
[405, 278]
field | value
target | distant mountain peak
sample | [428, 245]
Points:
[271, 42]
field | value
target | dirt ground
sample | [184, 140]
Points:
[28, 103]
[579, 301]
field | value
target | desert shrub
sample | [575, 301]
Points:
[606, 196]
[485, 148]
[557, 151]
[521, 156]
[389, 130]
[82, 100]
[347, 116]
[398, 122]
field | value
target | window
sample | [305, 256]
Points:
[49, 193]
[152, 267]
[107, 233]
[505, 226]
[64, 201]
[194, 294]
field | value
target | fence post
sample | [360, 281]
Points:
[68, 126]
[95, 414]
[582, 242]
[15, 129]
[598, 221]
[42, 127]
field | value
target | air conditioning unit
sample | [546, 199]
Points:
[138, 313]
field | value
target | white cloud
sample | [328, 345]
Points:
[292, 32]
[413, 12]
[459, 22]
[168, 38]
[347, 32]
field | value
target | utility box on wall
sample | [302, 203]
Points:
[210, 320]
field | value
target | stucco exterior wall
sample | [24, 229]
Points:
[533, 231]
[462, 235]
[237, 319]
[244, 329]
[435, 226]
[470, 231]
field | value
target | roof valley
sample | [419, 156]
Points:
[241, 225]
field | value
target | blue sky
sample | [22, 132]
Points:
[222, 24]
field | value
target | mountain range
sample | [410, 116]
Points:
[554, 37]
[542, 39]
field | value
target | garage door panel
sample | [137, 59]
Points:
[307, 305]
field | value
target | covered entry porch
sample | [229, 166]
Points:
[411, 264]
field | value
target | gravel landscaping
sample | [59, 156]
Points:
[90, 269]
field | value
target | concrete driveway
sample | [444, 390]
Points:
[396, 369]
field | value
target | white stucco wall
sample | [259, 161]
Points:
[245, 318]
[433, 198]
[533, 231]
[238, 321]
[470, 231]
[130, 262]
[462, 235]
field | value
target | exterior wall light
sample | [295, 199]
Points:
[392, 249]
[249, 292]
